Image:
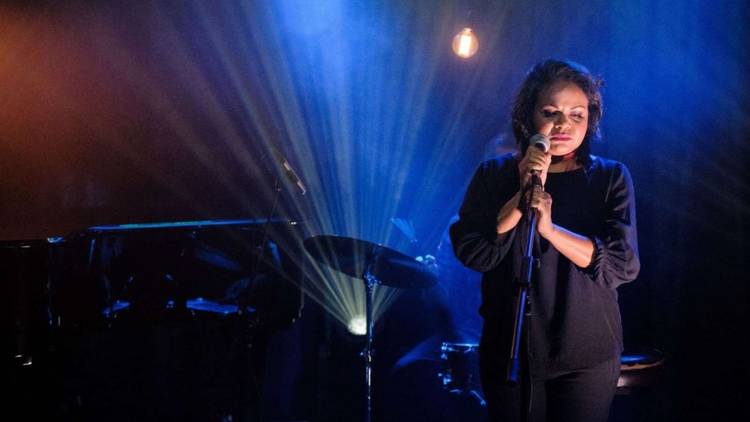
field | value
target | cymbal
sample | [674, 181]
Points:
[352, 256]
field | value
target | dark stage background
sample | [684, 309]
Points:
[169, 110]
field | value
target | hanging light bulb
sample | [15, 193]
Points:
[465, 43]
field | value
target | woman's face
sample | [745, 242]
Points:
[562, 113]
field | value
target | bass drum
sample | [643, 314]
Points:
[459, 372]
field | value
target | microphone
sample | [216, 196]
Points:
[289, 171]
[540, 141]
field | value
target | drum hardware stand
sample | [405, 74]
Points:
[370, 283]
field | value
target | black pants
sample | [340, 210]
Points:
[583, 395]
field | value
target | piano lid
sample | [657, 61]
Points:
[195, 224]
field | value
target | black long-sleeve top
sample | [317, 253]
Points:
[575, 318]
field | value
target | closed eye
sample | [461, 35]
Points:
[577, 116]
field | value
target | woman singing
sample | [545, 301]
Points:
[586, 244]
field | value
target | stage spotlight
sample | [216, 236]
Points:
[357, 326]
[465, 43]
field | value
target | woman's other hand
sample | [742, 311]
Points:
[541, 201]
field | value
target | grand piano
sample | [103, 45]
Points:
[165, 320]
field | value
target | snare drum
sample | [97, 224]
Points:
[459, 371]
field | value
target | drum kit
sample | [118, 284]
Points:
[374, 264]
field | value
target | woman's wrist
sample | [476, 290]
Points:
[577, 248]
[548, 233]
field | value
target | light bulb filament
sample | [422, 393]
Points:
[465, 43]
[464, 47]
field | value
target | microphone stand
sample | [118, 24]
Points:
[292, 176]
[521, 305]
[264, 234]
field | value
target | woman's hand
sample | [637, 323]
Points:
[541, 201]
[534, 160]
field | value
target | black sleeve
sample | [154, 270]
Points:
[616, 244]
[474, 236]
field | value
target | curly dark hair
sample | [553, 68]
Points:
[542, 76]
